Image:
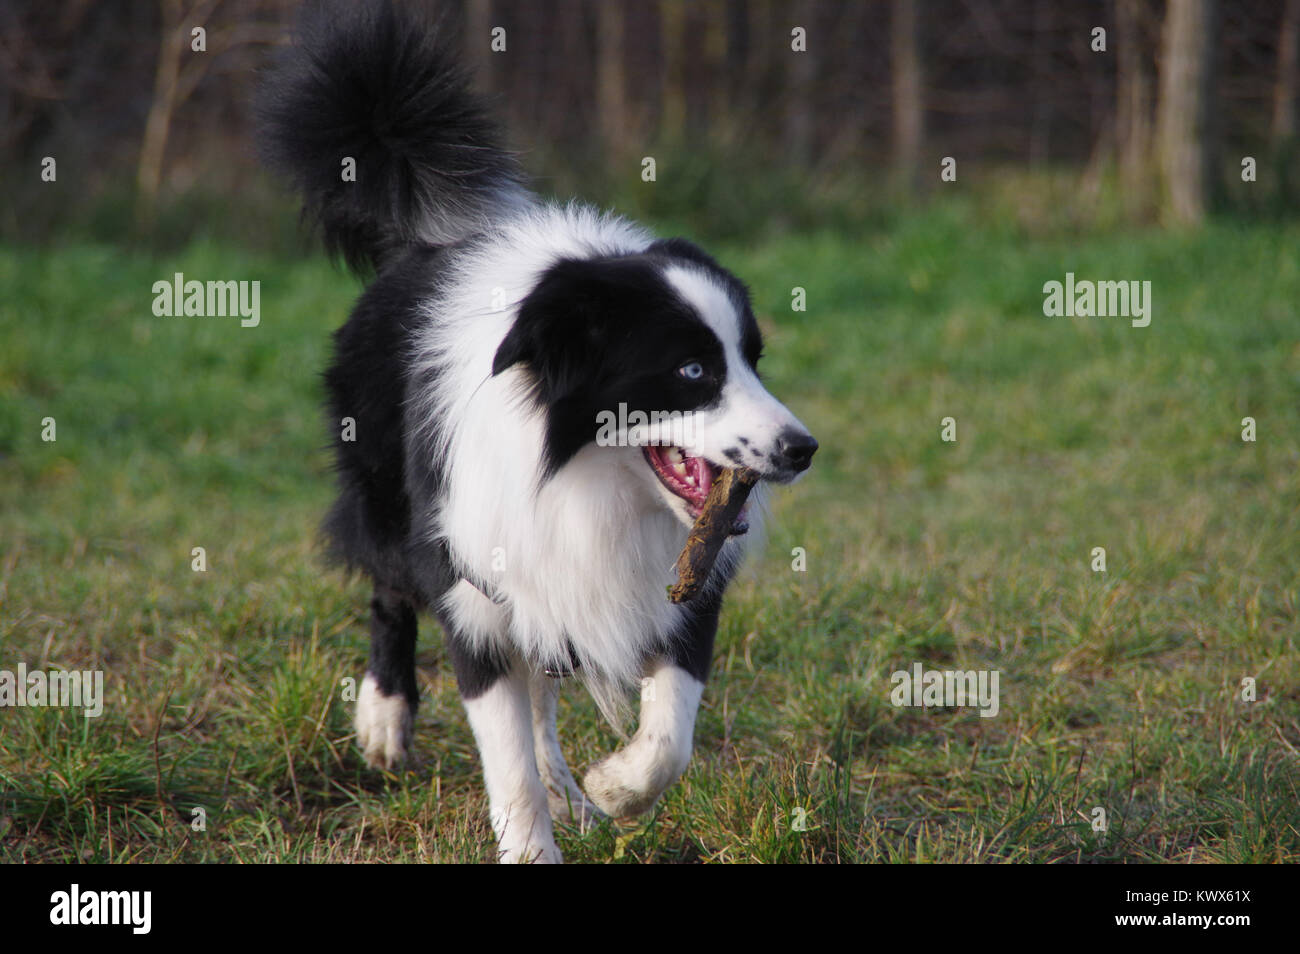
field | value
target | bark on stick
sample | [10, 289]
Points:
[712, 527]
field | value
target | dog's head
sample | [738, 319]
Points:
[655, 353]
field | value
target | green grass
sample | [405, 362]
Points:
[1120, 690]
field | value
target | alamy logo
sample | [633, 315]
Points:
[1088, 299]
[935, 688]
[102, 907]
[640, 428]
[75, 689]
[213, 299]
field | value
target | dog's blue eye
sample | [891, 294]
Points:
[691, 372]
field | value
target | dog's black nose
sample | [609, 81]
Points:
[795, 448]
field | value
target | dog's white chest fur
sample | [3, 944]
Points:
[559, 558]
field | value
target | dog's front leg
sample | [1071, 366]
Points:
[632, 779]
[496, 698]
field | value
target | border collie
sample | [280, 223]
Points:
[497, 332]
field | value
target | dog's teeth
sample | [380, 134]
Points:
[680, 469]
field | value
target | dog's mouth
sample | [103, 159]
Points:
[690, 479]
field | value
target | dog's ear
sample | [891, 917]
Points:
[517, 347]
[564, 325]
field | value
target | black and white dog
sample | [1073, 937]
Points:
[497, 335]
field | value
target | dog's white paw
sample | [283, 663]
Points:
[384, 726]
[631, 780]
[606, 785]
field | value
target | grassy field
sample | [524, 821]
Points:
[1120, 690]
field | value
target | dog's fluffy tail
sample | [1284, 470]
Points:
[372, 88]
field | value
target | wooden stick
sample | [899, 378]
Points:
[712, 527]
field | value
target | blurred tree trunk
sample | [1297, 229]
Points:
[611, 79]
[1288, 75]
[702, 50]
[179, 71]
[157, 127]
[737, 61]
[765, 70]
[1183, 135]
[905, 65]
[172, 86]
[1040, 130]
[803, 71]
[572, 110]
[1133, 108]
[672, 114]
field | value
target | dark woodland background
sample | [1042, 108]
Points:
[754, 134]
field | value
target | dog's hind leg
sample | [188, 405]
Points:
[496, 696]
[562, 793]
[388, 699]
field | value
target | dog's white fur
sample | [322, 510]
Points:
[501, 527]
[383, 725]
